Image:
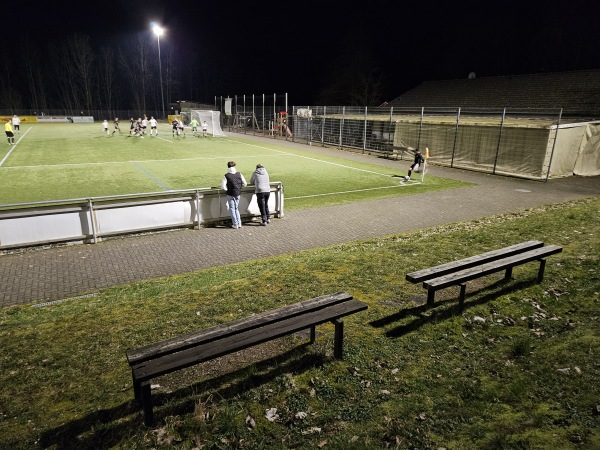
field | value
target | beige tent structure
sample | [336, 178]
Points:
[553, 129]
[534, 148]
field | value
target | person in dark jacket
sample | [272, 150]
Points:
[233, 182]
[416, 163]
[262, 188]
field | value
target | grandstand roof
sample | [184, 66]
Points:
[576, 92]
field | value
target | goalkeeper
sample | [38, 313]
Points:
[416, 163]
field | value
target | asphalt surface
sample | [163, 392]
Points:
[48, 274]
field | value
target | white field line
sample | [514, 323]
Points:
[313, 159]
[13, 147]
[127, 162]
[166, 140]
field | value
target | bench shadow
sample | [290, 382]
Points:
[425, 313]
[88, 432]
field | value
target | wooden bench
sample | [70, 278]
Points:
[164, 357]
[457, 273]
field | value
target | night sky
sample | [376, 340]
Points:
[305, 48]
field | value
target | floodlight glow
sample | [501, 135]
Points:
[158, 30]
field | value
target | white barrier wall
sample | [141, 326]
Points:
[88, 220]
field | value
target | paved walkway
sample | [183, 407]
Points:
[54, 273]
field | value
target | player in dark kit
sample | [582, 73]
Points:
[116, 126]
[415, 165]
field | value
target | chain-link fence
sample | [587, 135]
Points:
[500, 141]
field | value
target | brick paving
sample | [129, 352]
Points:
[47, 274]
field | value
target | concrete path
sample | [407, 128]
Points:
[41, 275]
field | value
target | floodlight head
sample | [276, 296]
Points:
[158, 30]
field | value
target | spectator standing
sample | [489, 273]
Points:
[16, 122]
[262, 188]
[8, 129]
[233, 182]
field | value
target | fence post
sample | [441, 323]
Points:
[420, 127]
[455, 137]
[323, 126]
[553, 144]
[342, 125]
[499, 141]
[365, 132]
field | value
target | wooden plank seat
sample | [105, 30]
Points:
[464, 270]
[177, 353]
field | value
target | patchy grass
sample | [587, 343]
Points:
[517, 368]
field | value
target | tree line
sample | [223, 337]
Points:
[73, 74]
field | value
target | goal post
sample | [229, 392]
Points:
[212, 118]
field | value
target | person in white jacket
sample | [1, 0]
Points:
[262, 188]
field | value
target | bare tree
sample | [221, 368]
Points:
[81, 56]
[9, 97]
[34, 75]
[135, 62]
[107, 79]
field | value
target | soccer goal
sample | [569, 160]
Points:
[212, 118]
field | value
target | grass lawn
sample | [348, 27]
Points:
[518, 368]
[67, 161]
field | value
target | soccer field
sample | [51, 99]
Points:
[67, 161]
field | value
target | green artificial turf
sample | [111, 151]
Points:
[68, 161]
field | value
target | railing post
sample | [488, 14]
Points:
[92, 221]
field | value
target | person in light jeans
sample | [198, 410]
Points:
[233, 182]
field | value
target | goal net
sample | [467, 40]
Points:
[212, 118]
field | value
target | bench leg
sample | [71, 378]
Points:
[463, 292]
[146, 398]
[313, 334]
[430, 296]
[540, 276]
[508, 274]
[338, 341]
[136, 390]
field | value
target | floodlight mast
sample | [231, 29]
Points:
[158, 31]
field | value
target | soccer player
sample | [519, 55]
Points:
[16, 122]
[8, 129]
[204, 128]
[116, 126]
[175, 125]
[105, 126]
[194, 125]
[153, 126]
[416, 163]
[144, 124]
[131, 126]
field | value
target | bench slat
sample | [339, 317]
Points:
[455, 266]
[149, 369]
[490, 267]
[137, 355]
